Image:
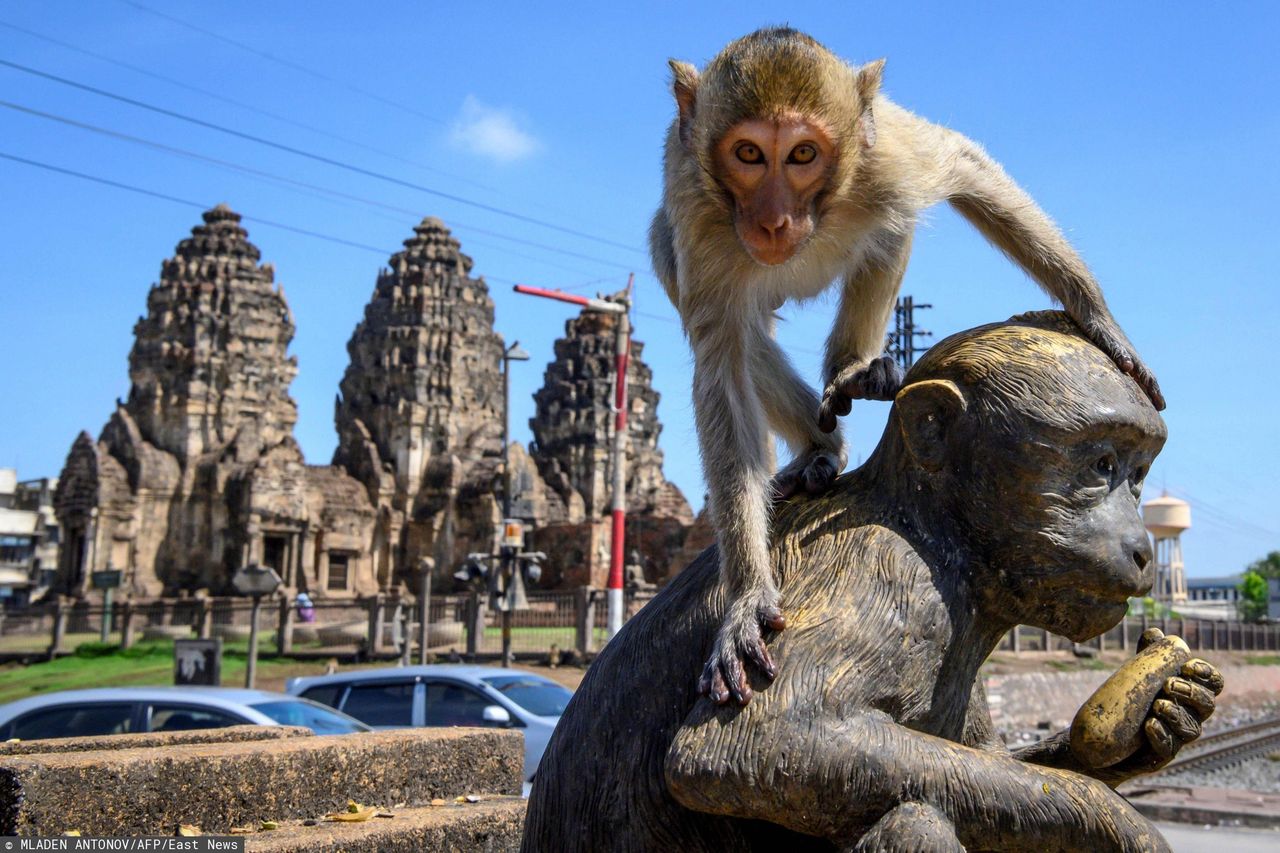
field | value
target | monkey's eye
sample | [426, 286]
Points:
[803, 153]
[1139, 474]
[749, 154]
[1106, 467]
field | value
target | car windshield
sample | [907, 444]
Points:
[535, 695]
[321, 720]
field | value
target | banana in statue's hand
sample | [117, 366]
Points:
[1159, 698]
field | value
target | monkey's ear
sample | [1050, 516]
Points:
[684, 82]
[868, 84]
[926, 411]
[869, 77]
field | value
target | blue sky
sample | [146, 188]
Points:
[1149, 131]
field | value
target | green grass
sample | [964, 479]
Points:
[1262, 660]
[147, 663]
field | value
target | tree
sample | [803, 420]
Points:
[1268, 566]
[1253, 597]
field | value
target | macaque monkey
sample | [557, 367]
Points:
[1004, 491]
[787, 170]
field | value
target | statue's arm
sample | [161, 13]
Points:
[836, 778]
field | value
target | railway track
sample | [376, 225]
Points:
[1229, 748]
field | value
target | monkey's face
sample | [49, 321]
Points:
[774, 170]
[1066, 546]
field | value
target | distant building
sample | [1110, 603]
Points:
[28, 537]
[1214, 589]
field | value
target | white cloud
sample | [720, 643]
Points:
[492, 132]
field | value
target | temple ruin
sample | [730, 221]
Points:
[197, 473]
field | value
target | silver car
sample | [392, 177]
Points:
[121, 710]
[446, 695]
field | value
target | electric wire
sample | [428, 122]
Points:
[320, 158]
[319, 75]
[217, 96]
[257, 220]
[271, 176]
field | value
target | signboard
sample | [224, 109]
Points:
[512, 533]
[109, 579]
[197, 662]
[1273, 599]
[255, 580]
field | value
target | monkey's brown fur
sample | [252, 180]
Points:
[1004, 491]
[855, 225]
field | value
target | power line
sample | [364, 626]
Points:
[319, 75]
[271, 176]
[136, 69]
[320, 158]
[306, 232]
[175, 199]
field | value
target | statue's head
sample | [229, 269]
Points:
[1036, 445]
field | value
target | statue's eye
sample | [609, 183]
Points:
[749, 154]
[803, 154]
[1106, 466]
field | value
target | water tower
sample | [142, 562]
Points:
[1166, 518]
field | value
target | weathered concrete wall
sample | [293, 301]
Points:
[219, 786]
[230, 734]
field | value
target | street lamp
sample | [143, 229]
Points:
[619, 307]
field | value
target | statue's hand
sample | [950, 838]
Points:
[1170, 714]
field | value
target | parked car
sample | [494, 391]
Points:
[446, 695]
[121, 710]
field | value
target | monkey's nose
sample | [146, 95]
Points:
[774, 226]
[1142, 554]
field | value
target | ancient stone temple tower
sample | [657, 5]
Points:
[209, 364]
[197, 472]
[419, 417]
[573, 432]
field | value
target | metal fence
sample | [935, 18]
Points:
[461, 626]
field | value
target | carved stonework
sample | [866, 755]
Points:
[420, 414]
[573, 428]
[573, 424]
[197, 473]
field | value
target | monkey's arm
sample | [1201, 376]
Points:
[733, 439]
[663, 254]
[1171, 722]
[981, 191]
[836, 778]
[853, 367]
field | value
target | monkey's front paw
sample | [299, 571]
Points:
[725, 675]
[879, 380]
[812, 472]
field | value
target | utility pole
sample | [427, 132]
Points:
[508, 552]
[901, 343]
[622, 353]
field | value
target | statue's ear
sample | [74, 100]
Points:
[926, 413]
[684, 83]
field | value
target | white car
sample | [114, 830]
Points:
[123, 710]
[446, 695]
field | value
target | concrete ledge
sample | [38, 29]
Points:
[1212, 806]
[492, 826]
[221, 785]
[152, 739]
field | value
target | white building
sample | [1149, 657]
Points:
[28, 537]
